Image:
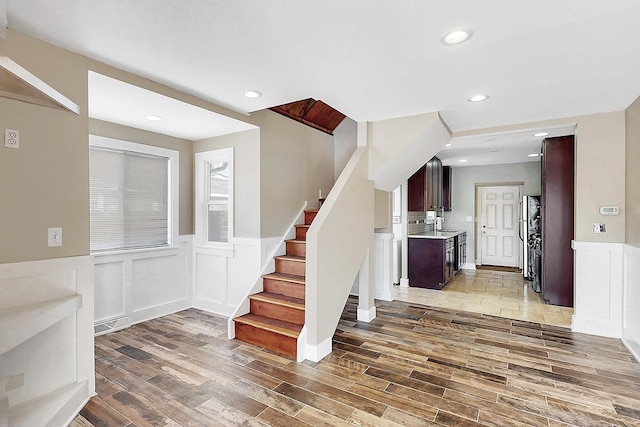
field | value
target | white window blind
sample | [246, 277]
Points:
[129, 199]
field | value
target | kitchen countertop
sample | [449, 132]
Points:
[442, 234]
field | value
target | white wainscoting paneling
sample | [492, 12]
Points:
[383, 266]
[598, 288]
[631, 313]
[222, 278]
[139, 285]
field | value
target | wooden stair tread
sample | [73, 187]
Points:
[311, 210]
[286, 277]
[279, 299]
[295, 258]
[273, 325]
[303, 225]
[296, 241]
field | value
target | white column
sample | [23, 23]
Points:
[404, 276]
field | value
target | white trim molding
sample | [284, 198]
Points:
[631, 293]
[598, 269]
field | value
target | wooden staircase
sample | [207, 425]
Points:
[277, 314]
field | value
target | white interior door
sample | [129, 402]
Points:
[499, 226]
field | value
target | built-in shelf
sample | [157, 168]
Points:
[51, 410]
[18, 324]
[18, 83]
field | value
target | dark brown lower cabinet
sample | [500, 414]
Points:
[432, 262]
[557, 220]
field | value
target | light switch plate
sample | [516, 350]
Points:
[11, 138]
[469, 219]
[54, 236]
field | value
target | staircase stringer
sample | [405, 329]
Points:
[268, 267]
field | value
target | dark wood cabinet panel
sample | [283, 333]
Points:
[461, 251]
[432, 262]
[416, 191]
[427, 258]
[557, 220]
[434, 184]
[446, 188]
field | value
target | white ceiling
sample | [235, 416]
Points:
[496, 148]
[371, 59]
[118, 102]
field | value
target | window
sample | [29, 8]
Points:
[214, 189]
[131, 196]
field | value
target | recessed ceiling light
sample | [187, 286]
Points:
[447, 145]
[253, 94]
[541, 134]
[533, 155]
[456, 36]
[154, 118]
[463, 160]
[478, 98]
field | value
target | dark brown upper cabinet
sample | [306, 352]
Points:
[424, 188]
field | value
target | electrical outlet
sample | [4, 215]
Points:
[54, 236]
[11, 138]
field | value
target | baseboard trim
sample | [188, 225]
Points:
[633, 347]
[366, 315]
[316, 353]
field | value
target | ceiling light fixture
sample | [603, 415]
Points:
[456, 37]
[463, 160]
[252, 94]
[447, 145]
[541, 134]
[533, 155]
[154, 118]
[478, 98]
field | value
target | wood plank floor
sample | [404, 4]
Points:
[413, 365]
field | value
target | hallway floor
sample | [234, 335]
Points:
[497, 293]
[411, 366]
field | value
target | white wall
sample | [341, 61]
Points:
[463, 182]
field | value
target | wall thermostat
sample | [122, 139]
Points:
[609, 210]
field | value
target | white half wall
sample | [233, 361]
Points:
[138, 285]
[598, 269]
[631, 292]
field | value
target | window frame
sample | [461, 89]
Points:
[202, 180]
[173, 185]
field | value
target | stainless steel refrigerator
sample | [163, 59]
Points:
[531, 236]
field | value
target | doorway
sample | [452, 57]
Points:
[498, 226]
